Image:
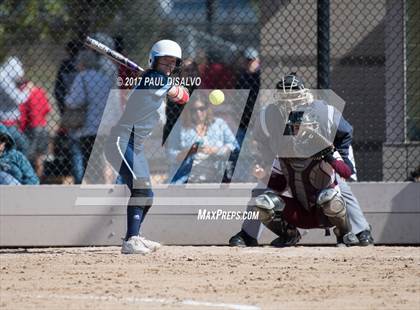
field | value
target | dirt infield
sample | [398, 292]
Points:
[211, 278]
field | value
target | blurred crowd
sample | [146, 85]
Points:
[49, 151]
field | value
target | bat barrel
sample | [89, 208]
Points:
[114, 55]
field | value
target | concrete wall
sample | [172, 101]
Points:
[51, 215]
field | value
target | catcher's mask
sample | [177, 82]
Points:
[291, 92]
[299, 120]
[307, 136]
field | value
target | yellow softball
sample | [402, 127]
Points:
[216, 97]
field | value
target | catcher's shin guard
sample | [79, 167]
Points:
[333, 206]
[269, 206]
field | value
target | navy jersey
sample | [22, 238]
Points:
[141, 113]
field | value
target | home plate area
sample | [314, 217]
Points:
[210, 277]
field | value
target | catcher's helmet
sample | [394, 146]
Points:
[292, 91]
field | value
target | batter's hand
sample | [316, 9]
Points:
[178, 94]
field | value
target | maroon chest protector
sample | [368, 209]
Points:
[307, 177]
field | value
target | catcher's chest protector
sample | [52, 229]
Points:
[307, 177]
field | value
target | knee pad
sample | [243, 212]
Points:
[269, 205]
[333, 206]
[331, 203]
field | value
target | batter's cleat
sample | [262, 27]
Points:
[365, 238]
[289, 238]
[151, 245]
[242, 239]
[134, 245]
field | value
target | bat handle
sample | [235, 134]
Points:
[132, 65]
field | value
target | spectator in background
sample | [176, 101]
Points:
[190, 69]
[249, 72]
[105, 64]
[11, 96]
[15, 168]
[90, 88]
[126, 76]
[61, 145]
[204, 142]
[202, 62]
[116, 100]
[215, 74]
[110, 69]
[33, 123]
[66, 73]
[124, 72]
[248, 79]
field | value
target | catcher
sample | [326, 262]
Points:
[304, 193]
[293, 94]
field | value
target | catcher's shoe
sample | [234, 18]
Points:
[134, 245]
[242, 239]
[151, 245]
[348, 239]
[365, 238]
[289, 238]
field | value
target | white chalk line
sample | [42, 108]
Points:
[138, 300]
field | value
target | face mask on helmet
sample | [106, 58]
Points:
[298, 120]
[308, 137]
[291, 92]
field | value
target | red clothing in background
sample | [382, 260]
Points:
[125, 74]
[33, 111]
[216, 76]
[128, 79]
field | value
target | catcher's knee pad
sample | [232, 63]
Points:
[333, 206]
[269, 205]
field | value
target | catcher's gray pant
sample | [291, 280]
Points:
[355, 213]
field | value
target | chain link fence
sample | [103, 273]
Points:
[369, 57]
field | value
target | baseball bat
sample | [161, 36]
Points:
[105, 50]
